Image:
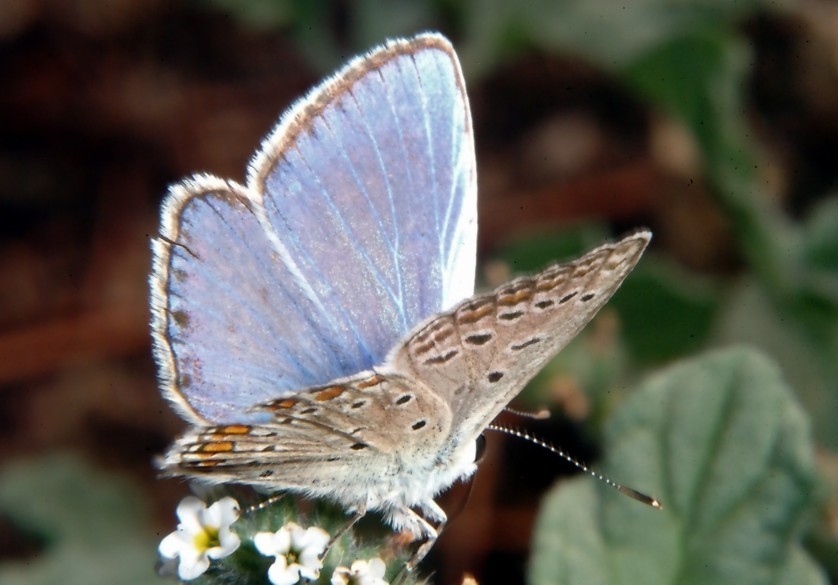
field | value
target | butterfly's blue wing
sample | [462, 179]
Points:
[358, 220]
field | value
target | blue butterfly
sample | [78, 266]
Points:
[311, 324]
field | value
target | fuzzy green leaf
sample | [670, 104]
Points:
[721, 442]
[93, 525]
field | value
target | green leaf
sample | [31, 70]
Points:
[93, 524]
[817, 303]
[721, 442]
[611, 35]
[751, 316]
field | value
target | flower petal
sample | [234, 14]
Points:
[316, 538]
[226, 549]
[376, 568]
[173, 543]
[192, 564]
[222, 513]
[280, 573]
[264, 543]
[340, 576]
[362, 572]
[228, 543]
[310, 573]
[190, 512]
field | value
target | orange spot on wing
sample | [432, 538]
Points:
[369, 382]
[474, 313]
[329, 393]
[235, 430]
[217, 447]
[513, 297]
[200, 464]
[552, 278]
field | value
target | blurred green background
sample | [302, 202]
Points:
[711, 380]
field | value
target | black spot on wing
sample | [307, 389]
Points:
[524, 344]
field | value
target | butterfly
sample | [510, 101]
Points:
[316, 326]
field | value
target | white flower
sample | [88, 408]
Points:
[202, 534]
[297, 551]
[369, 572]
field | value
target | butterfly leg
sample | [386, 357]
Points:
[432, 512]
[357, 514]
[425, 529]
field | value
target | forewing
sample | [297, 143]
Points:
[371, 188]
[480, 355]
[358, 221]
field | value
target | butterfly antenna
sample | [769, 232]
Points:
[540, 414]
[625, 490]
[266, 503]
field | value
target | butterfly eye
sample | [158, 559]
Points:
[480, 448]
